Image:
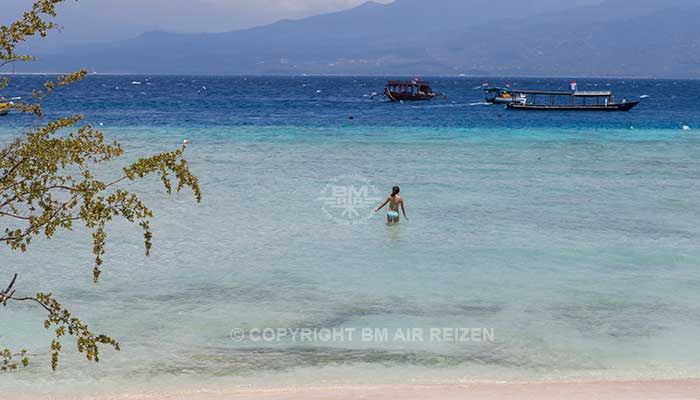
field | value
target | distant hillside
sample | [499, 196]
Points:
[609, 40]
[532, 37]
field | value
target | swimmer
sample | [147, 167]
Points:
[395, 201]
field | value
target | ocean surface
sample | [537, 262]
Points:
[572, 238]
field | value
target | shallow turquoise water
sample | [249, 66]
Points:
[577, 246]
[578, 249]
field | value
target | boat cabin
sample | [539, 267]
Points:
[409, 90]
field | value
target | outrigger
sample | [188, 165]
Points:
[415, 90]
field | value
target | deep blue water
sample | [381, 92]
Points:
[328, 101]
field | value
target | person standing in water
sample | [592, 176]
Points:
[394, 201]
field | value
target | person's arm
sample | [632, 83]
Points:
[403, 209]
[383, 205]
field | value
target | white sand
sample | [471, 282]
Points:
[599, 390]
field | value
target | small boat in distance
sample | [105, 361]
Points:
[497, 95]
[415, 90]
[569, 101]
[6, 106]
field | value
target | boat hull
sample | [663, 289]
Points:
[395, 96]
[500, 100]
[504, 100]
[626, 106]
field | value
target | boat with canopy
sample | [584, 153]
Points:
[6, 105]
[414, 90]
[501, 95]
[542, 100]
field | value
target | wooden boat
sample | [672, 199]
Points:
[6, 106]
[569, 101]
[415, 90]
[496, 95]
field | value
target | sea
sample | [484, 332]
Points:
[539, 245]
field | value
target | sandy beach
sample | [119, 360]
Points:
[601, 390]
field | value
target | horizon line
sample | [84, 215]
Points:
[383, 75]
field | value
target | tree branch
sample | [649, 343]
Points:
[64, 322]
[14, 216]
[5, 294]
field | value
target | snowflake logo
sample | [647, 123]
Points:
[348, 200]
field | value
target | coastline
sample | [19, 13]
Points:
[570, 390]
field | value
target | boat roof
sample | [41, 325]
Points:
[497, 89]
[594, 93]
[576, 94]
[413, 82]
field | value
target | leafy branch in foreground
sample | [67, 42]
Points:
[8, 362]
[47, 184]
[64, 323]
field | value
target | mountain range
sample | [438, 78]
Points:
[641, 38]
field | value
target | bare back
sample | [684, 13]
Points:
[395, 202]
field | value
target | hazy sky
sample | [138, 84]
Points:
[108, 20]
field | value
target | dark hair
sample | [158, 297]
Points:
[395, 191]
